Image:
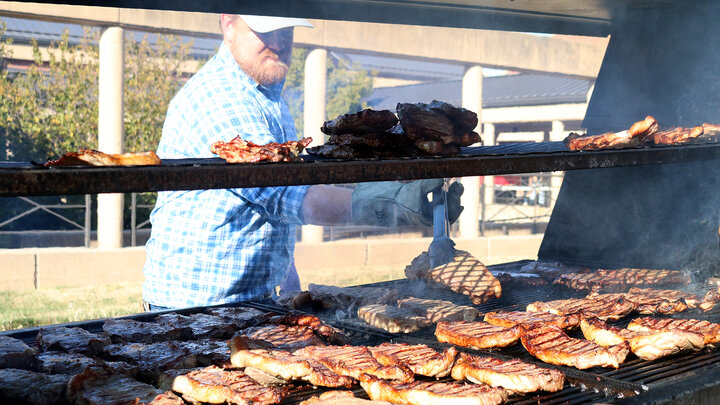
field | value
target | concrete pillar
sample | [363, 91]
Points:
[314, 116]
[556, 134]
[489, 140]
[110, 130]
[471, 100]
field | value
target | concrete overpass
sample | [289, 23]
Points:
[471, 47]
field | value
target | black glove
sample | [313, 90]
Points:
[391, 203]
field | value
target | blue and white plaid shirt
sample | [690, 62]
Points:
[217, 246]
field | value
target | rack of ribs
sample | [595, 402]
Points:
[513, 375]
[647, 345]
[551, 345]
[509, 319]
[217, 385]
[353, 361]
[288, 367]
[477, 335]
[711, 331]
[421, 359]
[433, 392]
[603, 309]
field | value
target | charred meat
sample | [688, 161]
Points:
[240, 151]
[72, 340]
[638, 133]
[129, 330]
[100, 385]
[46, 389]
[197, 326]
[513, 375]
[551, 345]
[74, 363]
[14, 353]
[364, 122]
[477, 335]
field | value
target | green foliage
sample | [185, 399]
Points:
[53, 107]
[346, 86]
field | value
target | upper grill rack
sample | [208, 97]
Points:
[187, 174]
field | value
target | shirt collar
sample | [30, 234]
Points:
[227, 59]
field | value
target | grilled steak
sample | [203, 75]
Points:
[438, 126]
[98, 385]
[711, 331]
[356, 296]
[509, 319]
[621, 280]
[90, 157]
[167, 377]
[610, 309]
[208, 351]
[676, 136]
[418, 267]
[551, 345]
[340, 398]
[392, 319]
[14, 353]
[282, 336]
[417, 392]
[364, 122]
[645, 304]
[640, 132]
[239, 150]
[711, 298]
[328, 333]
[286, 366]
[466, 275]
[199, 326]
[239, 317]
[549, 271]
[217, 386]
[353, 361]
[513, 375]
[74, 363]
[421, 359]
[648, 345]
[690, 299]
[72, 340]
[439, 310]
[152, 359]
[477, 335]
[31, 387]
[129, 330]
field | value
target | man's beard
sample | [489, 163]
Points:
[270, 69]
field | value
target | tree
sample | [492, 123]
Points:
[346, 86]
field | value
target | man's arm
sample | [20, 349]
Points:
[327, 205]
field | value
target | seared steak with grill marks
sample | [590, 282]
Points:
[645, 303]
[638, 133]
[33, 388]
[439, 310]
[129, 330]
[477, 335]
[14, 353]
[217, 386]
[551, 345]
[467, 275]
[513, 375]
[340, 398]
[353, 361]
[363, 122]
[421, 359]
[282, 336]
[392, 319]
[610, 309]
[690, 299]
[511, 318]
[711, 331]
[327, 332]
[676, 136]
[98, 385]
[286, 366]
[711, 298]
[648, 345]
[621, 280]
[72, 340]
[416, 393]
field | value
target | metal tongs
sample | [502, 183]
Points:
[442, 248]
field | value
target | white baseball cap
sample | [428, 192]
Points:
[264, 24]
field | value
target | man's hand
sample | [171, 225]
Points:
[391, 203]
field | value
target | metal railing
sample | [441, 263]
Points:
[134, 225]
[35, 206]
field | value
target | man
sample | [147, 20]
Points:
[218, 246]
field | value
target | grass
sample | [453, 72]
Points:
[28, 308]
[47, 306]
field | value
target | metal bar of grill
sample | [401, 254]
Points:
[186, 174]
